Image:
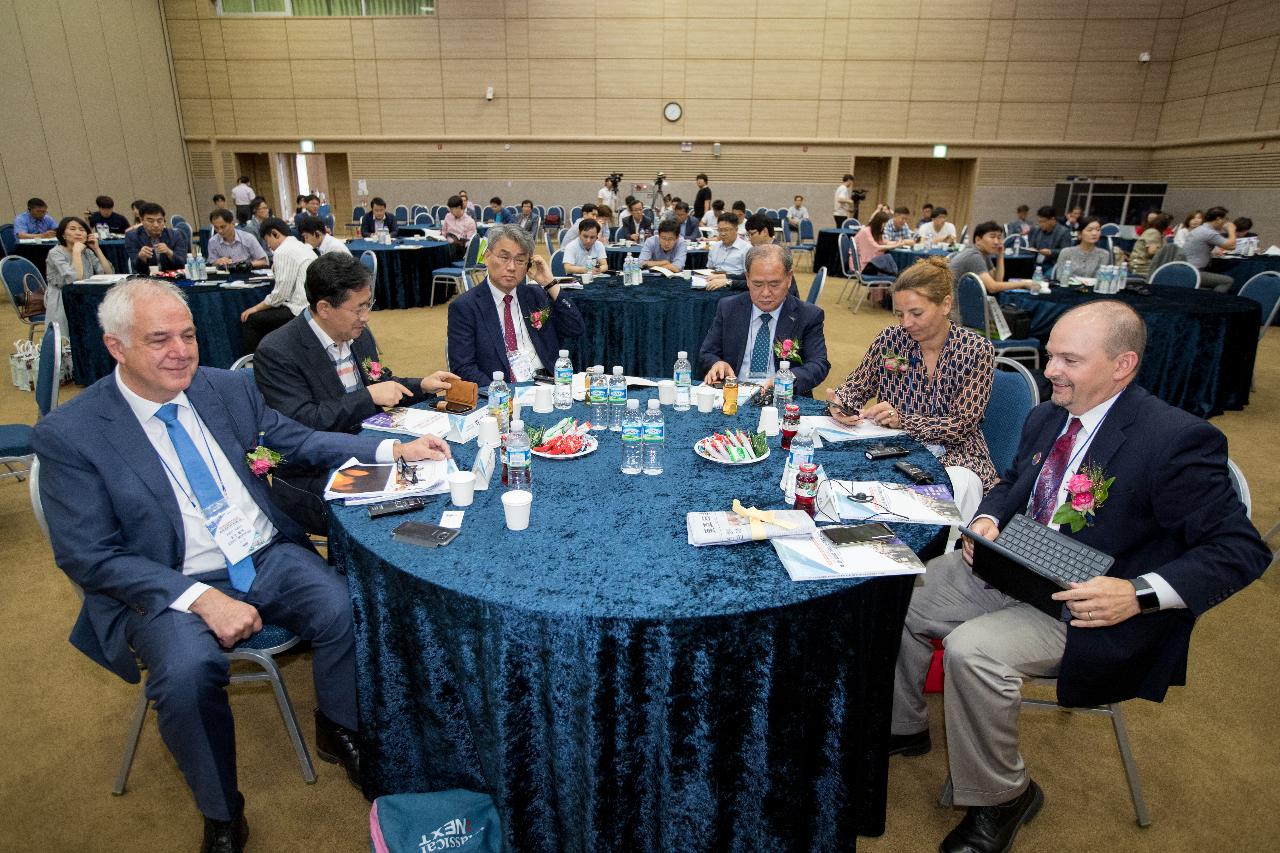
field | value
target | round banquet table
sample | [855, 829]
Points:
[38, 253]
[612, 687]
[826, 250]
[643, 327]
[694, 259]
[1019, 265]
[1243, 269]
[216, 312]
[1200, 344]
[404, 271]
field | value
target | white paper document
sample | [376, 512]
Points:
[893, 502]
[729, 528]
[357, 483]
[875, 553]
[418, 422]
[832, 430]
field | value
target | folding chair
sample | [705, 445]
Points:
[975, 314]
[815, 289]
[1176, 274]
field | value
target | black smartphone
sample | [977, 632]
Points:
[457, 408]
[841, 410]
[886, 451]
[424, 534]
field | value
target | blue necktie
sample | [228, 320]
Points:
[760, 351]
[201, 481]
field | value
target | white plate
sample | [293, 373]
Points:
[589, 447]
[698, 449]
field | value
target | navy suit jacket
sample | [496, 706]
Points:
[113, 518]
[798, 320]
[297, 378]
[171, 237]
[368, 224]
[1171, 510]
[477, 347]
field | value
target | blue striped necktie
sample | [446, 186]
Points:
[760, 351]
[202, 484]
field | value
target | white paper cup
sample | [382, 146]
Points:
[542, 399]
[516, 504]
[579, 386]
[462, 488]
[706, 398]
[667, 392]
[488, 434]
[153, 270]
[769, 420]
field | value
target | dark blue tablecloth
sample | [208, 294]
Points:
[826, 252]
[695, 259]
[1243, 269]
[404, 271]
[642, 327]
[1200, 345]
[38, 254]
[1021, 265]
[610, 686]
[216, 312]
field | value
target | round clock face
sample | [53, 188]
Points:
[672, 111]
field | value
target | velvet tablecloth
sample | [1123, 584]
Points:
[610, 686]
[695, 259]
[642, 328]
[216, 312]
[826, 251]
[404, 271]
[38, 253]
[1200, 344]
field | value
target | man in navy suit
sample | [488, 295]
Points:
[1181, 542]
[154, 512]
[322, 369]
[750, 328]
[378, 216]
[505, 325]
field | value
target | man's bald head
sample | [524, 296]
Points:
[1123, 329]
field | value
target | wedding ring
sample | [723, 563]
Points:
[1090, 615]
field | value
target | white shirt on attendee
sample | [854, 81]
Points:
[242, 194]
[709, 219]
[844, 201]
[524, 343]
[729, 259]
[289, 262]
[331, 243]
[927, 231]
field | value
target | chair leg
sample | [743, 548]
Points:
[1130, 766]
[861, 290]
[288, 717]
[131, 742]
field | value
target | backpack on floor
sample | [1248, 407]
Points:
[443, 820]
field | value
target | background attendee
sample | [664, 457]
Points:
[745, 337]
[219, 200]
[985, 258]
[796, 213]
[898, 229]
[666, 249]
[585, 253]
[310, 207]
[242, 195]
[1072, 222]
[873, 248]
[844, 200]
[739, 210]
[608, 195]
[531, 321]
[290, 258]
[229, 245]
[135, 207]
[1087, 257]
[571, 233]
[1193, 221]
[1148, 243]
[635, 225]
[259, 212]
[35, 221]
[527, 219]
[155, 243]
[688, 224]
[314, 234]
[941, 396]
[76, 257]
[106, 215]
[378, 217]
[1049, 237]
[926, 215]
[1244, 227]
[312, 370]
[457, 227]
[497, 214]
[703, 197]
[712, 216]
[758, 229]
[1216, 232]
[1020, 225]
[728, 254]
[938, 229]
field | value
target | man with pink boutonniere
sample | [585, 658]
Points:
[1118, 470]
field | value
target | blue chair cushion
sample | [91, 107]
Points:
[268, 638]
[15, 440]
[449, 271]
[1031, 343]
[879, 279]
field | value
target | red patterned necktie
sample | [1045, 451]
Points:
[509, 331]
[1045, 497]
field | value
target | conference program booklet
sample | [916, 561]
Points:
[417, 422]
[840, 552]
[927, 504]
[357, 483]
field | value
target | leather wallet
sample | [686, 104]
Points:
[462, 396]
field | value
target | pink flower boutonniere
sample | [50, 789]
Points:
[262, 459]
[538, 319]
[375, 370]
[788, 350]
[894, 363]
[1086, 493]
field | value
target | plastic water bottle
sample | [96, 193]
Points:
[519, 458]
[1064, 277]
[202, 271]
[564, 381]
[1123, 277]
[784, 386]
[801, 453]
[655, 429]
[1038, 275]
[190, 270]
[617, 399]
[598, 398]
[632, 435]
[684, 381]
[500, 401]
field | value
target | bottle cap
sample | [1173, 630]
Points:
[784, 365]
[564, 353]
[682, 354]
[617, 371]
[808, 468]
[517, 425]
[633, 404]
[653, 405]
[793, 407]
[497, 376]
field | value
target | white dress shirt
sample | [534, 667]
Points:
[331, 243]
[523, 342]
[753, 327]
[729, 259]
[242, 193]
[290, 261]
[1090, 421]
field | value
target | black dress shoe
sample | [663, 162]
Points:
[991, 829]
[226, 836]
[338, 745]
[910, 745]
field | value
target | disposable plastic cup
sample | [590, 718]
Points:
[462, 488]
[515, 505]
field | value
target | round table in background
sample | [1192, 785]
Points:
[1243, 269]
[1201, 345]
[826, 252]
[404, 271]
[216, 311]
[642, 327]
[614, 688]
[694, 259]
[1020, 265]
[38, 253]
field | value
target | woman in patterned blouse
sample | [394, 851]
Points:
[929, 377]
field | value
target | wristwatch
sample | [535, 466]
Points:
[1148, 599]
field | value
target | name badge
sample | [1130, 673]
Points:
[231, 531]
[521, 367]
